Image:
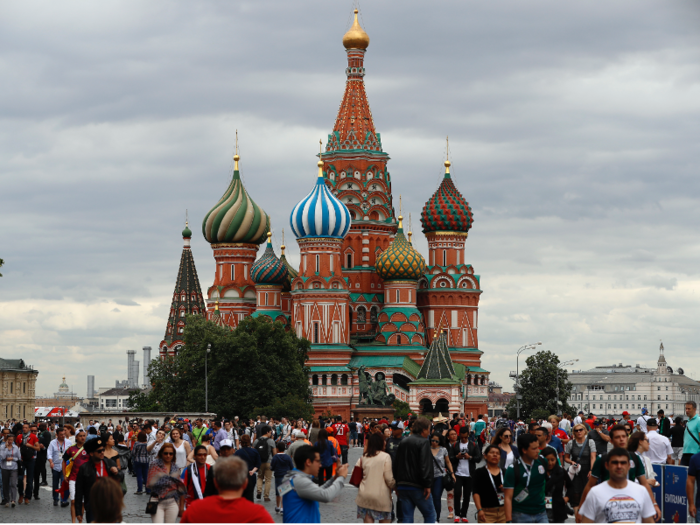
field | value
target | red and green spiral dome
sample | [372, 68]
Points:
[446, 210]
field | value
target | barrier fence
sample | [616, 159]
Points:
[670, 494]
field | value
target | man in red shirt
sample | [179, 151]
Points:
[74, 458]
[340, 432]
[231, 479]
[195, 477]
[27, 465]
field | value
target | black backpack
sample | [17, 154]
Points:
[263, 449]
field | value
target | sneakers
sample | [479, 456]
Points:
[138, 492]
[13, 504]
[465, 520]
[277, 510]
[65, 503]
[55, 503]
[458, 520]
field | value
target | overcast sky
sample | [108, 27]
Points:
[573, 131]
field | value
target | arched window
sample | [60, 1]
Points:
[314, 379]
[348, 263]
[361, 315]
[316, 333]
[334, 380]
[444, 257]
[344, 380]
[373, 315]
[323, 379]
[318, 263]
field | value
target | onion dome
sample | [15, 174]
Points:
[291, 272]
[400, 261]
[320, 213]
[236, 218]
[447, 210]
[268, 269]
[356, 38]
[187, 233]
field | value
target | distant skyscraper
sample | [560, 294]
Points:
[146, 362]
[91, 387]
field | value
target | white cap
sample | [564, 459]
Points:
[298, 433]
[226, 443]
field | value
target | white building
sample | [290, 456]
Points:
[113, 399]
[610, 390]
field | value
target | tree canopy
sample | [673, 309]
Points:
[538, 387]
[259, 365]
[1, 263]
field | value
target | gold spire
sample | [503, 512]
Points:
[283, 246]
[269, 236]
[320, 162]
[410, 233]
[447, 162]
[236, 157]
[356, 38]
[216, 306]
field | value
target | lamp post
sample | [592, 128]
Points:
[206, 379]
[559, 366]
[531, 346]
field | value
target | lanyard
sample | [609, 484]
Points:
[528, 470]
[102, 470]
[493, 482]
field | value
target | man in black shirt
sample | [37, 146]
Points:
[601, 437]
[664, 424]
[392, 443]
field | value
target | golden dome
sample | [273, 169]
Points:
[356, 38]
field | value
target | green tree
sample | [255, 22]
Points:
[401, 409]
[538, 387]
[1, 263]
[256, 365]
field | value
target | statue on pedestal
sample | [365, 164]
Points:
[374, 392]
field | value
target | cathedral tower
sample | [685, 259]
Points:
[269, 274]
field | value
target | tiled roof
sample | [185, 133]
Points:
[382, 361]
[438, 363]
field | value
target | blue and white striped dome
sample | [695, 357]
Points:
[320, 213]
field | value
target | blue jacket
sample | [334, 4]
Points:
[504, 456]
[281, 464]
[301, 503]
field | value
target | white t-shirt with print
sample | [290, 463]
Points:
[606, 504]
[463, 465]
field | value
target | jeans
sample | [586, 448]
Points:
[9, 485]
[437, 495]
[141, 470]
[249, 491]
[25, 468]
[410, 498]
[344, 453]
[463, 491]
[56, 479]
[521, 517]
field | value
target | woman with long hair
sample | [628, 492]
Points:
[111, 452]
[212, 455]
[108, 492]
[182, 449]
[504, 441]
[313, 431]
[166, 486]
[252, 458]
[328, 456]
[638, 443]
[441, 466]
[452, 438]
[374, 493]
[580, 451]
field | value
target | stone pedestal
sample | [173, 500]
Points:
[360, 412]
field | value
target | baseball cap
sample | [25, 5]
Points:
[625, 413]
[652, 423]
[597, 422]
[394, 426]
[226, 443]
[644, 410]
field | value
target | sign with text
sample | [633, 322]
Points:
[675, 506]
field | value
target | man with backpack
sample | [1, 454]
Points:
[266, 448]
[28, 444]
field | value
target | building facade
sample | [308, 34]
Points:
[114, 399]
[64, 398]
[362, 295]
[611, 390]
[18, 389]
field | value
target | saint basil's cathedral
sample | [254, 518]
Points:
[362, 295]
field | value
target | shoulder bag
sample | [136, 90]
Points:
[357, 475]
[448, 483]
[152, 505]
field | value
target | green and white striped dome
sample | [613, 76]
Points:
[236, 218]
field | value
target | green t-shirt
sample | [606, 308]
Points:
[479, 426]
[534, 503]
[690, 446]
[600, 472]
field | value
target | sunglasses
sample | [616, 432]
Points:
[435, 441]
[100, 451]
[164, 453]
[578, 430]
[506, 436]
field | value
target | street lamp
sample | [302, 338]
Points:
[561, 365]
[531, 346]
[206, 379]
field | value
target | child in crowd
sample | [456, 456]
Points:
[280, 465]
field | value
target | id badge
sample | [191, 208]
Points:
[9, 463]
[501, 499]
[522, 496]
[285, 487]
[548, 502]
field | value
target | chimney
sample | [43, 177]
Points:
[146, 362]
[136, 375]
[131, 380]
[91, 387]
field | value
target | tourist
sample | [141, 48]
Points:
[441, 466]
[55, 452]
[413, 472]
[41, 457]
[677, 432]
[229, 505]
[166, 488]
[690, 489]
[329, 457]
[300, 495]
[642, 420]
[340, 433]
[524, 484]
[373, 499]
[353, 425]
[488, 488]
[299, 440]
[182, 449]
[108, 492]
[558, 481]
[504, 441]
[96, 467]
[26, 466]
[659, 450]
[452, 438]
[110, 451]
[195, 476]
[219, 435]
[212, 455]
[252, 458]
[638, 446]
[465, 455]
[281, 464]
[266, 448]
[603, 502]
[580, 452]
[141, 461]
[74, 458]
[226, 450]
[691, 436]
[198, 431]
[9, 463]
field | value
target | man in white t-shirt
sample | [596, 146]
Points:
[642, 420]
[579, 418]
[660, 450]
[618, 499]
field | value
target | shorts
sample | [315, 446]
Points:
[677, 453]
[278, 481]
[377, 515]
[71, 489]
[353, 436]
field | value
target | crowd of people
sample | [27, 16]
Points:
[216, 471]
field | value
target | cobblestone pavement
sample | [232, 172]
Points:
[342, 510]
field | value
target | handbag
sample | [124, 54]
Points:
[448, 482]
[152, 505]
[356, 477]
